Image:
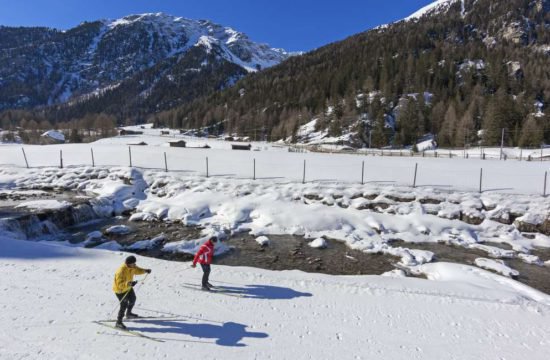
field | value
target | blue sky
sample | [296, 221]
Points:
[290, 24]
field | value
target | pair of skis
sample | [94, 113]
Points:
[216, 290]
[108, 324]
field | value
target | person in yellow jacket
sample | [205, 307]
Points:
[123, 286]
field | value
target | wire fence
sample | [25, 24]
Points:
[372, 167]
[526, 154]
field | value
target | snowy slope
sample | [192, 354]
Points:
[236, 46]
[53, 291]
[95, 57]
[281, 315]
[435, 7]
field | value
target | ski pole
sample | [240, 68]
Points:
[124, 297]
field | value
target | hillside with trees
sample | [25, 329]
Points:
[466, 72]
[463, 74]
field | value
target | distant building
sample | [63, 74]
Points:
[123, 132]
[179, 143]
[142, 143]
[52, 137]
[241, 147]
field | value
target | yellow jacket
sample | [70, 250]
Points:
[123, 276]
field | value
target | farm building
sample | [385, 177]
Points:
[179, 143]
[52, 137]
[241, 147]
[123, 132]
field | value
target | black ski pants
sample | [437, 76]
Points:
[127, 302]
[205, 274]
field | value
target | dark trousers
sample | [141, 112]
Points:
[127, 302]
[205, 274]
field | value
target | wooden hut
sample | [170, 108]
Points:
[179, 143]
[241, 147]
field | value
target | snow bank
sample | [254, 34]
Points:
[467, 277]
[281, 315]
[496, 265]
[44, 205]
[118, 230]
[147, 244]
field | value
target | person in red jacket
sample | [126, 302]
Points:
[204, 257]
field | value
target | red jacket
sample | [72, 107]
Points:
[205, 254]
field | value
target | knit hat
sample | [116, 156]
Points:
[214, 239]
[130, 260]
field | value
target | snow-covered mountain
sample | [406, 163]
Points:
[40, 66]
[364, 89]
[437, 6]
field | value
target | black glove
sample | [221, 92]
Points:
[132, 283]
[148, 271]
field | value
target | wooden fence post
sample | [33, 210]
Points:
[254, 177]
[61, 159]
[363, 173]
[304, 175]
[93, 160]
[480, 179]
[165, 162]
[545, 178]
[415, 171]
[25, 156]
[130, 153]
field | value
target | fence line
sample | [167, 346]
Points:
[441, 153]
[317, 167]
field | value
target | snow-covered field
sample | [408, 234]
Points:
[273, 163]
[53, 292]
[51, 295]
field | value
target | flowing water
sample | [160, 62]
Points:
[284, 252]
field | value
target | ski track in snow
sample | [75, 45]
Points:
[51, 295]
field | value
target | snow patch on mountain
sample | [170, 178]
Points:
[435, 7]
[235, 46]
[107, 52]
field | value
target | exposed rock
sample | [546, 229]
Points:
[502, 216]
[356, 195]
[312, 196]
[342, 204]
[370, 196]
[400, 198]
[545, 227]
[457, 215]
[430, 201]
[525, 226]
[473, 218]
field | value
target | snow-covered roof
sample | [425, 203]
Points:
[54, 134]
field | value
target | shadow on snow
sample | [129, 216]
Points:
[227, 334]
[267, 292]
